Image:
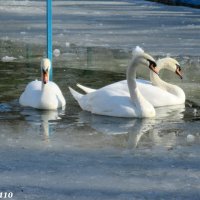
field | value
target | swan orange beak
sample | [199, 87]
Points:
[179, 73]
[45, 77]
[154, 68]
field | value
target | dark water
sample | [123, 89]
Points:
[192, 3]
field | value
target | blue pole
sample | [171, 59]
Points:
[49, 35]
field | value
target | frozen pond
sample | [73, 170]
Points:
[72, 154]
[111, 24]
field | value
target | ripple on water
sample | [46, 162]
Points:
[4, 107]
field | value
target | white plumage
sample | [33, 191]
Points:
[43, 94]
[157, 92]
[113, 100]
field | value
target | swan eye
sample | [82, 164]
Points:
[178, 71]
[178, 67]
[152, 63]
[45, 71]
[152, 66]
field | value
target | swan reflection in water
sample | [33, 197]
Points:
[44, 119]
[135, 129]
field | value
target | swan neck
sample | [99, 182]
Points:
[157, 81]
[135, 94]
[131, 80]
[173, 89]
[143, 107]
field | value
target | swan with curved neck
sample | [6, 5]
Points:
[116, 102]
[43, 94]
[158, 92]
[176, 94]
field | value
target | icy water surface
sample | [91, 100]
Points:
[119, 24]
[71, 154]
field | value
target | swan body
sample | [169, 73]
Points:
[158, 92]
[43, 94]
[115, 101]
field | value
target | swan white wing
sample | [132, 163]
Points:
[54, 89]
[31, 94]
[119, 84]
[112, 103]
[85, 89]
[50, 98]
[155, 95]
[111, 100]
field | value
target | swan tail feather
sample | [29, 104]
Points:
[85, 89]
[75, 94]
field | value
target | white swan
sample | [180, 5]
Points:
[112, 101]
[170, 94]
[43, 94]
[157, 92]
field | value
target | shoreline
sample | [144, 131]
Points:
[193, 3]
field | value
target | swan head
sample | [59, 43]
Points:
[152, 64]
[45, 68]
[145, 59]
[170, 64]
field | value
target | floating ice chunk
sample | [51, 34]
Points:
[195, 112]
[56, 52]
[67, 44]
[21, 57]
[137, 50]
[8, 59]
[190, 138]
[4, 107]
[23, 33]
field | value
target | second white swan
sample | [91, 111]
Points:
[158, 92]
[112, 101]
